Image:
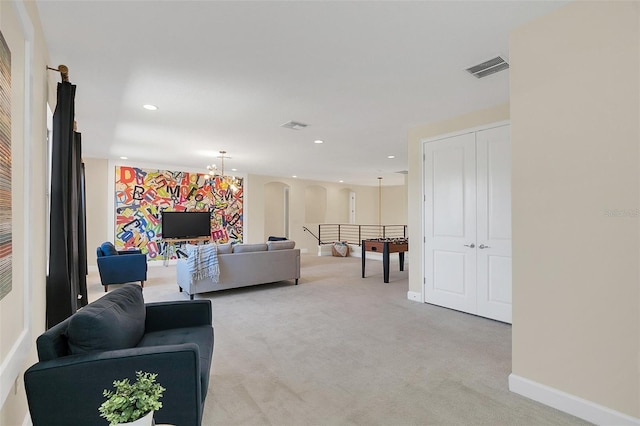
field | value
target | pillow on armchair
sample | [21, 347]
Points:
[115, 321]
[108, 249]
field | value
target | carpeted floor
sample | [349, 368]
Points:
[341, 350]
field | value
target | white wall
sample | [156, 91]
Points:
[22, 312]
[576, 165]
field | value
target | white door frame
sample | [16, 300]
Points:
[422, 186]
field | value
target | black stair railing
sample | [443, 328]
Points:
[304, 228]
[354, 234]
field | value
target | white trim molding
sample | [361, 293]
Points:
[14, 362]
[571, 404]
[415, 296]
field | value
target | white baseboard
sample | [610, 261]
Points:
[569, 403]
[414, 296]
[324, 250]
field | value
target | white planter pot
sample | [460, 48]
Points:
[142, 421]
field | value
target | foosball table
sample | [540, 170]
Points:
[385, 246]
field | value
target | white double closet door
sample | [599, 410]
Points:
[467, 222]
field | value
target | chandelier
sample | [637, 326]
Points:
[232, 181]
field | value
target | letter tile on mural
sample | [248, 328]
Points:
[143, 194]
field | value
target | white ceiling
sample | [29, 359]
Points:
[226, 75]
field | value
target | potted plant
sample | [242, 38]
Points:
[132, 403]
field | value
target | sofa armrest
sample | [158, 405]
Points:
[68, 390]
[177, 314]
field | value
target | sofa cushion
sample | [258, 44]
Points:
[200, 335]
[115, 321]
[108, 249]
[280, 245]
[246, 248]
[225, 248]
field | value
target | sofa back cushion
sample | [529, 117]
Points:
[115, 321]
[108, 249]
[280, 245]
[225, 248]
[247, 248]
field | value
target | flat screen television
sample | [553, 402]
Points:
[186, 224]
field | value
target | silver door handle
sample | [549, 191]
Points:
[482, 246]
[470, 245]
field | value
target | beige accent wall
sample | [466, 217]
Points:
[415, 196]
[274, 223]
[576, 167]
[394, 205]
[29, 199]
[98, 214]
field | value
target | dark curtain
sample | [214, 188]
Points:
[65, 267]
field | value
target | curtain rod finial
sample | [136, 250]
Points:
[63, 70]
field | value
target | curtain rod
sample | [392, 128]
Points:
[64, 72]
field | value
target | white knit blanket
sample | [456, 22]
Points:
[203, 263]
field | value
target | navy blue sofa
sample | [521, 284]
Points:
[120, 266]
[111, 339]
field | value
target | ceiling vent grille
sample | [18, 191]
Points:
[294, 125]
[489, 67]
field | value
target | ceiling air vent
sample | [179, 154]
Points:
[489, 67]
[294, 125]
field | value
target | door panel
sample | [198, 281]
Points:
[494, 223]
[448, 272]
[450, 215]
[448, 192]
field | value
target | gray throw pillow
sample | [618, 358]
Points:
[246, 248]
[225, 248]
[280, 245]
[115, 321]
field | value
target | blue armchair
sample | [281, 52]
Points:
[112, 338]
[118, 267]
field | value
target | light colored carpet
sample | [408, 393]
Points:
[341, 350]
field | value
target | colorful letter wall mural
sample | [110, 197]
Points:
[141, 195]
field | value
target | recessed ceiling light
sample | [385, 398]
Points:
[124, 158]
[150, 107]
[341, 181]
[234, 170]
[294, 176]
[318, 141]
[391, 156]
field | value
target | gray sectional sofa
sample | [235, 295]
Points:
[245, 265]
